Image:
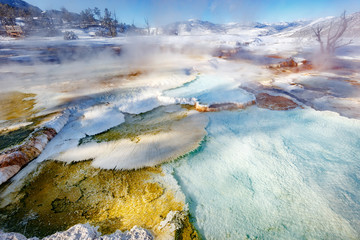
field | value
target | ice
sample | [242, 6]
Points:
[81, 121]
[99, 118]
[176, 138]
[139, 100]
[211, 89]
[275, 175]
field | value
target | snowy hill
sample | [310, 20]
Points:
[198, 27]
[192, 27]
[352, 31]
[21, 5]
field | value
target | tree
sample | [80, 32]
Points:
[109, 23]
[7, 14]
[66, 15]
[334, 36]
[30, 22]
[47, 24]
[97, 13]
[147, 25]
[87, 17]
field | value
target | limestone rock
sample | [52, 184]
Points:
[85, 231]
[222, 106]
[11, 161]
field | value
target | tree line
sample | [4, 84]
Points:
[49, 22]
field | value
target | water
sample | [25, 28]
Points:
[265, 174]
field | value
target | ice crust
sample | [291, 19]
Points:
[275, 175]
[183, 136]
[82, 121]
[100, 118]
[212, 89]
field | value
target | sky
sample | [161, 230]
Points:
[160, 12]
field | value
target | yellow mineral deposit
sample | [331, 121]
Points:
[16, 105]
[62, 195]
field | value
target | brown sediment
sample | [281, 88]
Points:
[264, 100]
[61, 195]
[222, 106]
[226, 53]
[23, 154]
[289, 63]
[353, 82]
[16, 105]
[275, 56]
[130, 76]
[291, 66]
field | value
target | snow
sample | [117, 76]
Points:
[208, 89]
[82, 122]
[183, 136]
[99, 118]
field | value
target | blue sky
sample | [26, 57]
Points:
[218, 11]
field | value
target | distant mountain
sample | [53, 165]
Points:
[19, 4]
[198, 27]
[302, 29]
[192, 27]
[281, 26]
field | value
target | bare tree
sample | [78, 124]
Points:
[147, 25]
[334, 36]
[97, 13]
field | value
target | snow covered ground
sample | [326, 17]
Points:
[246, 174]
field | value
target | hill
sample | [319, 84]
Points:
[19, 4]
